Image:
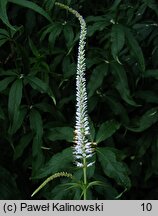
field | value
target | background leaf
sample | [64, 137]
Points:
[3, 13]
[113, 168]
[135, 48]
[96, 78]
[145, 121]
[38, 84]
[15, 96]
[9, 189]
[106, 130]
[117, 39]
[23, 143]
[5, 82]
[32, 6]
[60, 133]
[59, 162]
[122, 83]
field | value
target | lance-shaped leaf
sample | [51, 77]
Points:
[106, 130]
[33, 6]
[117, 39]
[122, 83]
[145, 121]
[3, 14]
[15, 96]
[36, 125]
[60, 133]
[96, 78]
[37, 128]
[59, 162]
[112, 167]
[37, 83]
[22, 145]
[17, 120]
[5, 82]
[135, 48]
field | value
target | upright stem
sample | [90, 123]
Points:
[85, 178]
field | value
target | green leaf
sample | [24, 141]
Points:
[115, 5]
[48, 4]
[9, 189]
[59, 162]
[96, 78]
[142, 145]
[21, 146]
[148, 96]
[97, 26]
[68, 34]
[17, 121]
[59, 192]
[122, 83]
[56, 30]
[92, 130]
[117, 39]
[68, 67]
[113, 168]
[152, 4]
[33, 48]
[3, 36]
[15, 96]
[4, 33]
[31, 5]
[47, 29]
[60, 133]
[106, 130]
[117, 108]
[135, 48]
[8, 72]
[5, 82]
[144, 122]
[2, 41]
[3, 14]
[37, 84]
[36, 124]
[151, 73]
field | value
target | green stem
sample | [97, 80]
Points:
[85, 178]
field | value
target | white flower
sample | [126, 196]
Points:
[82, 149]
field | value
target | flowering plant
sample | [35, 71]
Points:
[82, 150]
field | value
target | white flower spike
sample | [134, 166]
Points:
[82, 150]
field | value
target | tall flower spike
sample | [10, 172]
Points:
[82, 150]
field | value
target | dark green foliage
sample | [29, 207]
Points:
[38, 45]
